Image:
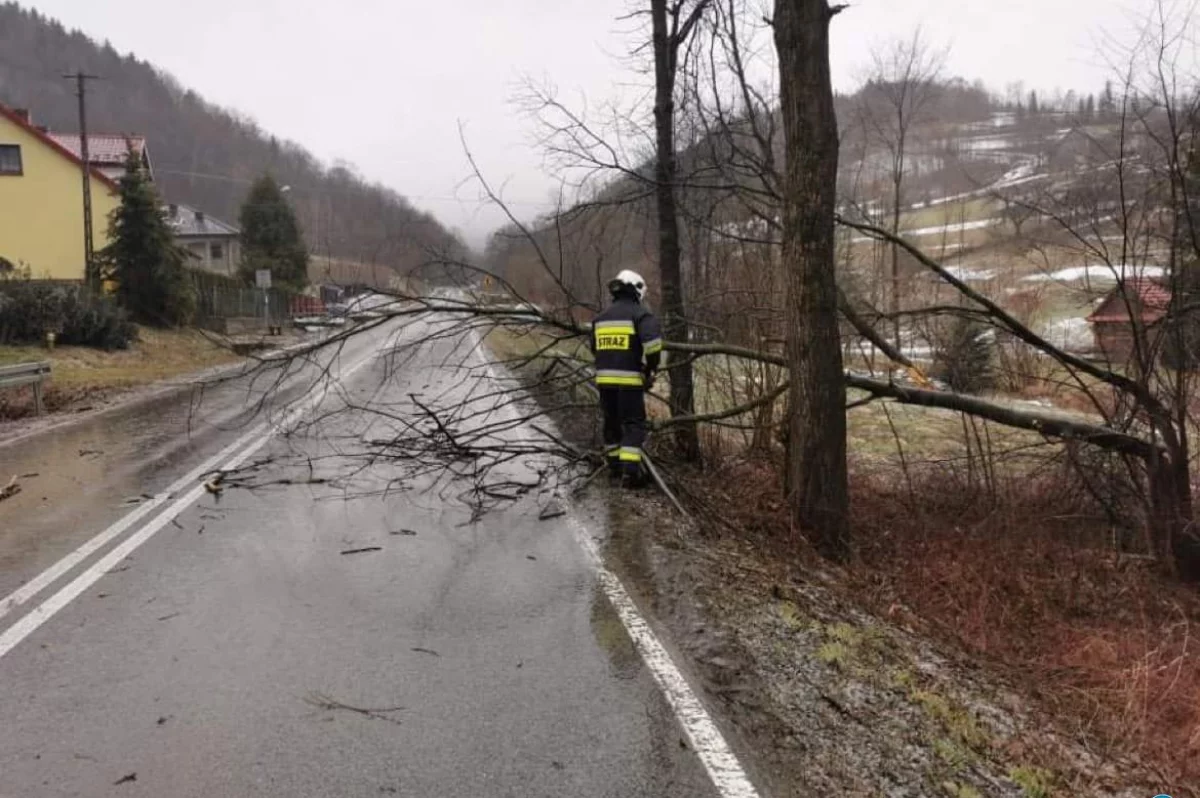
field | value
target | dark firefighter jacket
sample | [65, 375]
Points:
[622, 335]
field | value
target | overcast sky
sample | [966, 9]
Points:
[385, 83]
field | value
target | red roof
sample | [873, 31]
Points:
[103, 148]
[21, 122]
[1152, 296]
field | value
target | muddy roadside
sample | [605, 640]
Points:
[823, 696]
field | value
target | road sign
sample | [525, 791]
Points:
[262, 278]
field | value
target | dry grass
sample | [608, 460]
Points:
[1021, 575]
[531, 346]
[949, 213]
[82, 374]
[1104, 640]
[926, 434]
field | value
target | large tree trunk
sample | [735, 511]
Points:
[816, 470]
[674, 314]
[1173, 529]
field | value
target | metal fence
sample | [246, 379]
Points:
[221, 299]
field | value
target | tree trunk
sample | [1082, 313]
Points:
[896, 199]
[816, 477]
[674, 315]
[1172, 528]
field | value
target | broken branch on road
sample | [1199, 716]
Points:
[11, 489]
[322, 701]
[363, 550]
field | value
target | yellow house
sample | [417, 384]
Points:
[41, 202]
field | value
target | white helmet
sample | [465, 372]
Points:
[631, 279]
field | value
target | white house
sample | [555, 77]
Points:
[213, 244]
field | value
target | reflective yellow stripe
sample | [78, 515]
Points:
[619, 377]
[614, 327]
[654, 347]
[612, 452]
[632, 382]
[630, 454]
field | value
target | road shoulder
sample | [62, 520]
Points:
[828, 697]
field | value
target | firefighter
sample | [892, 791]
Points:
[627, 344]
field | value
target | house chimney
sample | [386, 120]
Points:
[174, 210]
[23, 115]
[199, 217]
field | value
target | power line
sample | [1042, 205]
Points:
[247, 181]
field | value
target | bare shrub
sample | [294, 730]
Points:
[1043, 584]
[965, 356]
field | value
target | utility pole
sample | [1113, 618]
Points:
[91, 272]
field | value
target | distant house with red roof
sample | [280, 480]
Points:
[1141, 300]
[107, 152]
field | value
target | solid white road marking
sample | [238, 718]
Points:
[52, 574]
[707, 741]
[28, 624]
[710, 746]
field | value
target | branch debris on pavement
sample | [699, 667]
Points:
[214, 485]
[552, 510]
[363, 550]
[322, 701]
[11, 489]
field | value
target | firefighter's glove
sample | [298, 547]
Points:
[649, 380]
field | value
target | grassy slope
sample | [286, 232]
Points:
[972, 210]
[82, 373]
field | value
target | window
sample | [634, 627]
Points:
[10, 159]
[216, 252]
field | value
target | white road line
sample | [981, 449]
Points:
[28, 624]
[54, 572]
[721, 764]
[707, 741]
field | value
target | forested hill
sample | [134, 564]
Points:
[204, 155]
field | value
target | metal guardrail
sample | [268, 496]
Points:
[27, 374]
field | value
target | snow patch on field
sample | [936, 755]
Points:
[1097, 273]
[971, 275]
[942, 229]
[1073, 334]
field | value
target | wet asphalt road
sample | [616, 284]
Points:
[239, 652]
